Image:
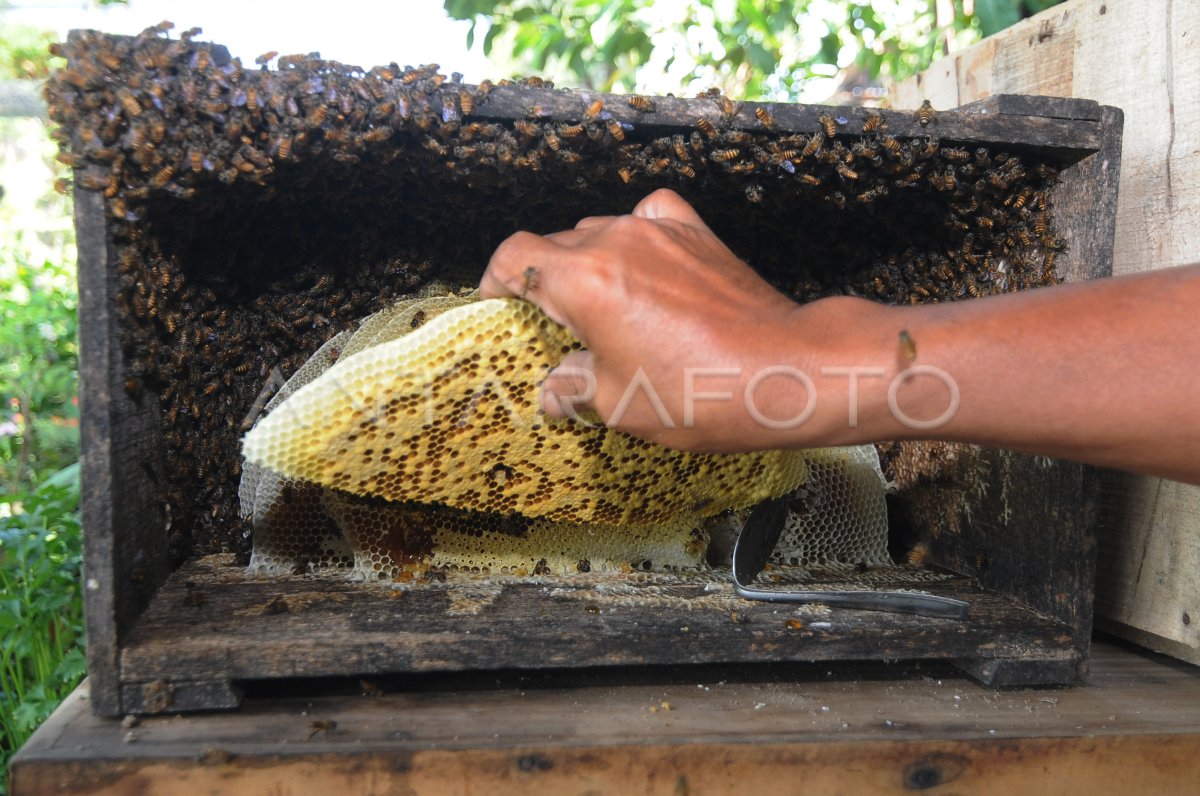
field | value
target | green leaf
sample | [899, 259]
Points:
[996, 15]
[760, 59]
[1038, 6]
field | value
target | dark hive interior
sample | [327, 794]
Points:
[256, 212]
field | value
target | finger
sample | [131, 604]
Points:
[593, 221]
[507, 272]
[570, 387]
[666, 204]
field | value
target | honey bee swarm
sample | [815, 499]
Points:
[254, 213]
[449, 414]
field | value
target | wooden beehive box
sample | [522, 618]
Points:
[230, 220]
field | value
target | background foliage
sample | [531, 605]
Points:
[41, 617]
[752, 49]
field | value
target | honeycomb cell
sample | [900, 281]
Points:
[328, 431]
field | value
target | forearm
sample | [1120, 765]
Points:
[1104, 372]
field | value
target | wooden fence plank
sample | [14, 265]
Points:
[1139, 57]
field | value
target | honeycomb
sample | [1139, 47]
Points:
[450, 414]
[388, 538]
[291, 530]
[837, 513]
[838, 517]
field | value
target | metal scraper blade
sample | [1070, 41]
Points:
[757, 541]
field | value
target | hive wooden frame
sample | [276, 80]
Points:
[170, 641]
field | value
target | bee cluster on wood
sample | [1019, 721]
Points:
[255, 212]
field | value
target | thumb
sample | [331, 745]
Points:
[571, 386]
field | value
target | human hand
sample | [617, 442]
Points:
[669, 316]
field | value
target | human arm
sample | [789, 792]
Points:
[1102, 372]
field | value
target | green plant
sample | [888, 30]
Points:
[38, 361]
[750, 48]
[41, 617]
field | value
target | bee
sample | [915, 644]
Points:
[641, 104]
[418, 319]
[1024, 236]
[873, 122]
[680, 147]
[529, 280]
[1040, 224]
[657, 166]
[616, 130]
[324, 725]
[1048, 265]
[706, 127]
[196, 159]
[129, 102]
[377, 134]
[62, 185]
[317, 116]
[943, 182]
[972, 287]
[810, 179]
[1018, 201]
[158, 128]
[828, 125]
[570, 130]
[685, 170]
[737, 137]
[847, 172]
[925, 113]
[918, 555]
[163, 176]
[764, 117]
[283, 148]
[839, 200]
[553, 141]
[483, 89]
[813, 144]
[956, 155]
[583, 565]
[723, 155]
[754, 192]
[626, 174]
[877, 192]
[593, 110]
[528, 129]
[266, 57]
[727, 107]
[891, 144]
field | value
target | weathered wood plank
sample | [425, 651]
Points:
[864, 729]
[1139, 57]
[1053, 133]
[125, 558]
[213, 623]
